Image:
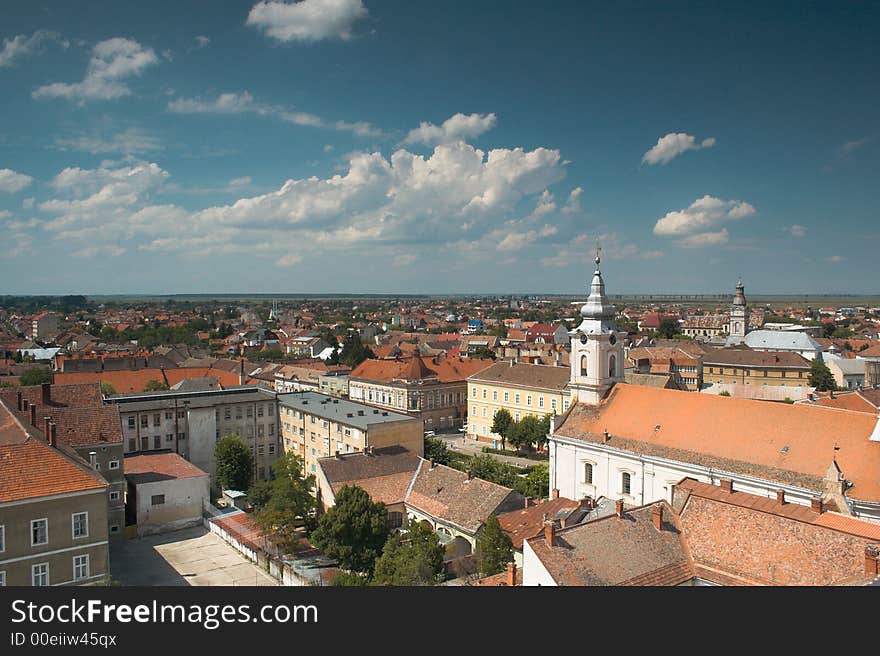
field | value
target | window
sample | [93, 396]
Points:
[145, 443]
[157, 500]
[180, 414]
[395, 519]
[612, 366]
[2, 539]
[114, 496]
[260, 450]
[626, 483]
[259, 411]
[157, 441]
[484, 411]
[80, 524]
[114, 464]
[516, 399]
[2, 579]
[144, 421]
[260, 429]
[506, 397]
[494, 395]
[474, 411]
[271, 449]
[540, 401]
[169, 437]
[553, 403]
[529, 400]
[583, 365]
[516, 416]
[80, 567]
[157, 419]
[238, 412]
[169, 415]
[39, 532]
[484, 392]
[40, 574]
[227, 413]
[588, 473]
[131, 422]
[272, 429]
[474, 392]
[181, 436]
[250, 411]
[132, 444]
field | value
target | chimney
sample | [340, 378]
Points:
[53, 435]
[241, 380]
[46, 422]
[780, 496]
[554, 493]
[93, 459]
[816, 504]
[550, 532]
[337, 454]
[872, 561]
[657, 517]
[527, 503]
[511, 574]
[33, 411]
[605, 437]
[46, 392]
[470, 474]
[433, 463]
[18, 400]
[619, 508]
[727, 485]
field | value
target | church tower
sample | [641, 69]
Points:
[738, 313]
[596, 346]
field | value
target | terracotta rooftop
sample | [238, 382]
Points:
[861, 401]
[790, 443]
[537, 376]
[153, 467]
[750, 358]
[385, 475]
[446, 370]
[528, 522]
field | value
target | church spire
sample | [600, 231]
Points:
[597, 305]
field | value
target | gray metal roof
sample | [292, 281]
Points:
[777, 340]
[347, 412]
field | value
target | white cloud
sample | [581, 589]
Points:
[573, 204]
[457, 193]
[95, 251]
[673, 145]
[327, 148]
[112, 62]
[704, 239]
[131, 141]
[834, 259]
[704, 213]
[405, 260]
[12, 182]
[307, 20]
[288, 260]
[457, 127]
[240, 182]
[202, 42]
[241, 103]
[796, 230]
[23, 45]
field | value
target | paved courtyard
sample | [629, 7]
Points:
[192, 556]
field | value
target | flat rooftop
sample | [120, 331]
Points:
[136, 401]
[343, 411]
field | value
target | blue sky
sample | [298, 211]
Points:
[425, 147]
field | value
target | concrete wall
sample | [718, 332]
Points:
[408, 434]
[185, 499]
[62, 546]
[534, 572]
[104, 455]
[202, 438]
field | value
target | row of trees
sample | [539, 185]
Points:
[527, 432]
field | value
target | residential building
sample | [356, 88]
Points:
[849, 373]
[84, 425]
[682, 362]
[53, 511]
[707, 535]
[544, 333]
[44, 326]
[528, 521]
[432, 389]
[165, 492]
[315, 426]
[521, 389]
[191, 423]
[777, 340]
[333, 384]
[743, 366]
[705, 326]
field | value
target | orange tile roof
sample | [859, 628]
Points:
[528, 522]
[447, 370]
[141, 468]
[742, 433]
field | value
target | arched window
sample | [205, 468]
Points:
[583, 365]
[588, 473]
[612, 366]
[626, 483]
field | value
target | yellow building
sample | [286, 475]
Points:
[747, 367]
[316, 425]
[521, 389]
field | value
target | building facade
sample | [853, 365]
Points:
[747, 367]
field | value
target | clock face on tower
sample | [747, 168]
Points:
[583, 339]
[612, 340]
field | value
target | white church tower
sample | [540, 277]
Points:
[596, 346]
[738, 313]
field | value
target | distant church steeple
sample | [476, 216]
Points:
[596, 345]
[738, 312]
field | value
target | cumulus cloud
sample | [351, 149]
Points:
[131, 141]
[457, 127]
[12, 182]
[23, 45]
[112, 62]
[457, 193]
[580, 250]
[241, 103]
[307, 20]
[95, 251]
[695, 224]
[573, 204]
[202, 42]
[796, 230]
[673, 145]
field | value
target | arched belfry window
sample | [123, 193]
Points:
[583, 365]
[612, 366]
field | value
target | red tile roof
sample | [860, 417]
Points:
[139, 468]
[447, 370]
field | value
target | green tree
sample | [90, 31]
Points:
[354, 351]
[235, 464]
[35, 376]
[482, 353]
[821, 377]
[436, 450]
[537, 483]
[501, 424]
[154, 385]
[668, 329]
[828, 329]
[411, 558]
[353, 531]
[289, 503]
[499, 331]
[489, 469]
[350, 579]
[107, 389]
[494, 548]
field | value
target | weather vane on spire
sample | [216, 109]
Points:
[598, 254]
